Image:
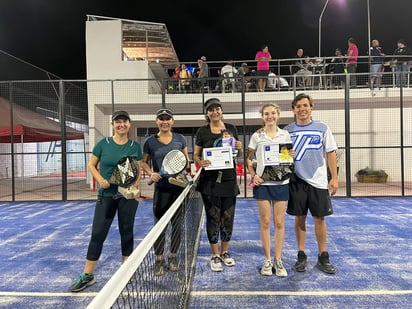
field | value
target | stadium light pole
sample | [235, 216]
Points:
[320, 27]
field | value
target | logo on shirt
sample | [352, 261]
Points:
[306, 141]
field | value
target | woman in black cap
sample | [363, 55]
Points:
[106, 154]
[166, 189]
[218, 187]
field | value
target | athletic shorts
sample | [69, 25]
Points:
[271, 193]
[304, 197]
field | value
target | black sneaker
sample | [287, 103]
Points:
[173, 263]
[82, 282]
[159, 267]
[324, 264]
[301, 263]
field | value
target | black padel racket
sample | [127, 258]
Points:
[125, 172]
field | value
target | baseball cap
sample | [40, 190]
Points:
[212, 102]
[118, 114]
[244, 64]
[203, 58]
[164, 111]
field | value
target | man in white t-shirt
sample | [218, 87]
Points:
[276, 82]
[315, 152]
[229, 72]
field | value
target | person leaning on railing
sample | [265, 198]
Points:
[401, 58]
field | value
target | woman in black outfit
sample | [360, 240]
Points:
[218, 187]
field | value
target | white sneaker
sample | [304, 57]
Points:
[227, 259]
[280, 270]
[266, 269]
[216, 263]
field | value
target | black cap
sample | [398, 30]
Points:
[118, 114]
[164, 111]
[212, 102]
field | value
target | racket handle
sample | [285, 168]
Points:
[150, 182]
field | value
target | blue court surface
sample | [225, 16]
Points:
[43, 246]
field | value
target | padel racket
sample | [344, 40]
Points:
[277, 172]
[174, 162]
[125, 175]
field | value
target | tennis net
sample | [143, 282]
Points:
[135, 284]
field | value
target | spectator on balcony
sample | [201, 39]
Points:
[240, 69]
[263, 57]
[337, 67]
[276, 82]
[174, 84]
[184, 78]
[352, 60]
[249, 78]
[298, 68]
[229, 74]
[203, 73]
[306, 71]
[402, 58]
[376, 65]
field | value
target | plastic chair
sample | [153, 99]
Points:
[240, 171]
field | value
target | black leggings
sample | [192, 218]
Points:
[162, 200]
[104, 213]
[220, 215]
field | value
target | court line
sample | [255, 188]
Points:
[47, 294]
[231, 293]
[300, 293]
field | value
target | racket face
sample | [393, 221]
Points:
[174, 162]
[125, 172]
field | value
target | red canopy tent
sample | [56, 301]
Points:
[29, 127]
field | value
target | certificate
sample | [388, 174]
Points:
[220, 158]
[276, 154]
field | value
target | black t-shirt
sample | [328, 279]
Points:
[207, 181]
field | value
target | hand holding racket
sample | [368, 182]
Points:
[174, 162]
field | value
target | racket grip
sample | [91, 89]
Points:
[150, 182]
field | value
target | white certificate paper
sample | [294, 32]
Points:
[276, 154]
[220, 158]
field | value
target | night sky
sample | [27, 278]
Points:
[50, 34]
